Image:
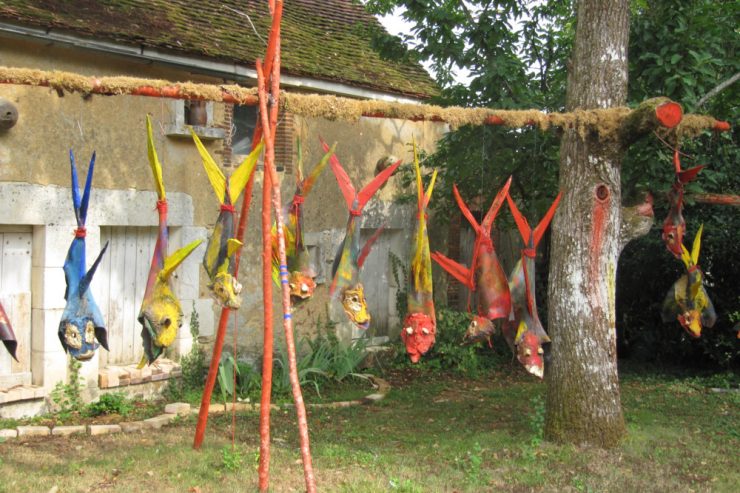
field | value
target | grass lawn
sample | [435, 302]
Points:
[433, 432]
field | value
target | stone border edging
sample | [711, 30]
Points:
[176, 410]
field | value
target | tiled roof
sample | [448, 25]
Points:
[321, 39]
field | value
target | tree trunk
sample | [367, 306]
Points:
[583, 403]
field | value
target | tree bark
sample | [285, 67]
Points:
[583, 402]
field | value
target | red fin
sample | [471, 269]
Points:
[545, 221]
[466, 212]
[688, 175]
[458, 271]
[490, 216]
[345, 184]
[369, 190]
[521, 221]
[368, 246]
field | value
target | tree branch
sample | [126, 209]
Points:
[649, 115]
[636, 221]
[720, 87]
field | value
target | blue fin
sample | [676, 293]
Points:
[88, 186]
[85, 281]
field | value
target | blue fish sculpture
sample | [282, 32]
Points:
[82, 326]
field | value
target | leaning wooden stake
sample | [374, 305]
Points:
[287, 316]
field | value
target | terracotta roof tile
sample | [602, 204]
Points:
[321, 39]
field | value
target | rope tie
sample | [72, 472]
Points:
[228, 208]
[529, 252]
[298, 199]
[80, 232]
[355, 212]
[162, 206]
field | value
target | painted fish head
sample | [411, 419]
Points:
[479, 329]
[418, 335]
[530, 354]
[78, 338]
[225, 289]
[691, 321]
[673, 231]
[355, 306]
[162, 318]
[301, 285]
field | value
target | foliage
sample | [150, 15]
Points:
[537, 420]
[228, 373]
[193, 368]
[400, 273]
[67, 397]
[111, 403]
[231, 458]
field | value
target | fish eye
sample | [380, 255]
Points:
[670, 236]
[167, 322]
[540, 351]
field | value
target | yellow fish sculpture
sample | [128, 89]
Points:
[160, 314]
[222, 245]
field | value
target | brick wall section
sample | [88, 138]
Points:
[226, 123]
[285, 142]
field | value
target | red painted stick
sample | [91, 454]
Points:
[287, 315]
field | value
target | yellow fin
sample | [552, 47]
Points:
[696, 246]
[171, 262]
[232, 245]
[239, 178]
[154, 160]
[215, 175]
[430, 188]
[520, 331]
[685, 256]
[142, 363]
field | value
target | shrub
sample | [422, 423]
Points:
[112, 403]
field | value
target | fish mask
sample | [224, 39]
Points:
[523, 330]
[301, 273]
[418, 335]
[480, 329]
[222, 245]
[350, 258]
[674, 226]
[82, 328]
[160, 314]
[6, 333]
[688, 301]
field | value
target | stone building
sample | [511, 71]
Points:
[326, 49]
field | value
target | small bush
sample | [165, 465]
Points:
[113, 403]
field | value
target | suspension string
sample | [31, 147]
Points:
[234, 368]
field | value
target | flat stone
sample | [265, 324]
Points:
[108, 378]
[33, 431]
[3, 397]
[8, 433]
[104, 429]
[135, 376]
[216, 408]
[369, 399]
[179, 408]
[66, 431]
[132, 426]
[146, 374]
[160, 376]
[158, 422]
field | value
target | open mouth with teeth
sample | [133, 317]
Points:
[301, 286]
[81, 345]
[355, 306]
[226, 289]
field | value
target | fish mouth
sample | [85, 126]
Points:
[363, 325]
[87, 355]
[535, 370]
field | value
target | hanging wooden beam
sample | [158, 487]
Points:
[606, 122]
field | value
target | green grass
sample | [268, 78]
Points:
[433, 432]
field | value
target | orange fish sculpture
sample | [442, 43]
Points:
[485, 275]
[523, 330]
[350, 258]
[688, 301]
[420, 325]
[674, 226]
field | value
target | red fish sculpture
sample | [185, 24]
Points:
[674, 225]
[349, 258]
[485, 275]
[523, 330]
[420, 325]
[301, 273]
[688, 301]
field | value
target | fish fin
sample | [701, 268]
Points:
[87, 279]
[368, 246]
[240, 177]
[521, 221]
[689, 175]
[521, 329]
[76, 200]
[685, 256]
[308, 183]
[369, 190]
[696, 247]
[490, 216]
[88, 186]
[232, 245]
[545, 221]
[215, 175]
[345, 184]
[430, 188]
[465, 210]
[456, 270]
[154, 160]
[213, 250]
[142, 363]
[102, 336]
[174, 260]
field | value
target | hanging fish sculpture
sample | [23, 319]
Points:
[420, 325]
[82, 323]
[688, 301]
[6, 333]
[485, 275]
[222, 245]
[674, 225]
[301, 273]
[349, 258]
[523, 330]
[160, 314]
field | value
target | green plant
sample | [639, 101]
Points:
[112, 403]
[537, 420]
[193, 367]
[471, 463]
[400, 273]
[231, 458]
[67, 397]
[226, 375]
